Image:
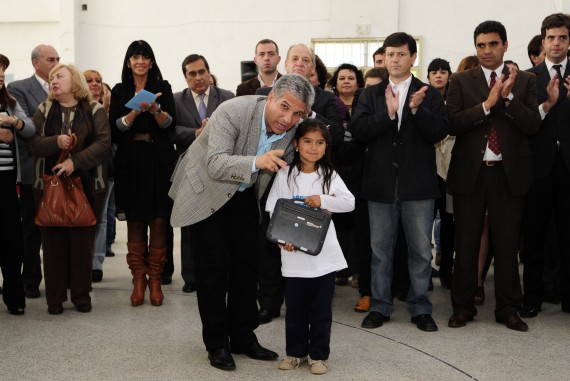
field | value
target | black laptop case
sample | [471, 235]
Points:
[300, 225]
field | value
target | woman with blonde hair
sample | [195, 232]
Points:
[67, 252]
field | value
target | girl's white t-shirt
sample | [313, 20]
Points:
[339, 200]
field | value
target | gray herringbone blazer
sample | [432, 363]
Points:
[220, 159]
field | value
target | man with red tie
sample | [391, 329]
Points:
[492, 109]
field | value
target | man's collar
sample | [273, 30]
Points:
[207, 92]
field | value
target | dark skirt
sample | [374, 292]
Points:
[142, 183]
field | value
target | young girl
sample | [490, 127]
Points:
[310, 280]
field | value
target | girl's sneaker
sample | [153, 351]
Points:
[290, 362]
[318, 366]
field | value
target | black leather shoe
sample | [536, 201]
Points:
[424, 323]
[529, 310]
[96, 275]
[513, 322]
[32, 292]
[165, 279]
[110, 253]
[222, 359]
[55, 309]
[189, 287]
[256, 352]
[17, 311]
[459, 319]
[266, 316]
[374, 319]
[84, 308]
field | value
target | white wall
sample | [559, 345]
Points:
[226, 31]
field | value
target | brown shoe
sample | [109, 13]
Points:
[363, 304]
[459, 319]
[513, 322]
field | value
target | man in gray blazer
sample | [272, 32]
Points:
[29, 93]
[190, 125]
[216, 189]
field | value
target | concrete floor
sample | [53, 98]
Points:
[118, 342]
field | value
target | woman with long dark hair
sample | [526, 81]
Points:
[144, 162]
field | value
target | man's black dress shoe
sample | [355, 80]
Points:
[165, 279]
[32, 292]
[256, 352]
[513, 322]
[110, 253]
[83, 307]
[96, 275]
[55, 309]
[189, 287]
[459, 319]
[529, 310]
[266, 316]
[424, 323]
[15, 310]
[374, 319]
[222, 359]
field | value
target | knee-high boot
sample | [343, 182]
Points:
[136, 261]
[156, 262]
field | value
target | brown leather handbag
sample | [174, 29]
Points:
[63, 202]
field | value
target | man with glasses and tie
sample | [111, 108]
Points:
[550, 195]
[194, 106]
[492, 110]
[29, 93]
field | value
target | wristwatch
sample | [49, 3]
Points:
[509, 97]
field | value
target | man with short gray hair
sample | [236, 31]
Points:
[29, 93]
[216, 190]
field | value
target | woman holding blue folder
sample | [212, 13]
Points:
[144, 162]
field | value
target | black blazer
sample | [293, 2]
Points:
[555, 126]
[467, 91]
[406, 157]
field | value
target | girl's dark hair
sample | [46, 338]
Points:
[349, 67]
[142, 48]
[324, 166]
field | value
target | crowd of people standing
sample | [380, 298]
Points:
[484, 148]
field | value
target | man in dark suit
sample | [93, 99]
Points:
[550, 194]
[300, 60]
[30, 93]
[189, 125]
[400, 120]
[216, 188]
[492, 109]
[266, 59]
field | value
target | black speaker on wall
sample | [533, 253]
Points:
[248, 70]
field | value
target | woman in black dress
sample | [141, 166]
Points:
[144, 162]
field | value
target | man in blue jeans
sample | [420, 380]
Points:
[400, 120]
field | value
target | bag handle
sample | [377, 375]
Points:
[65, 152]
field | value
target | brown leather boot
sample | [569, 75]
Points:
[156, 261]
[136, 261]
